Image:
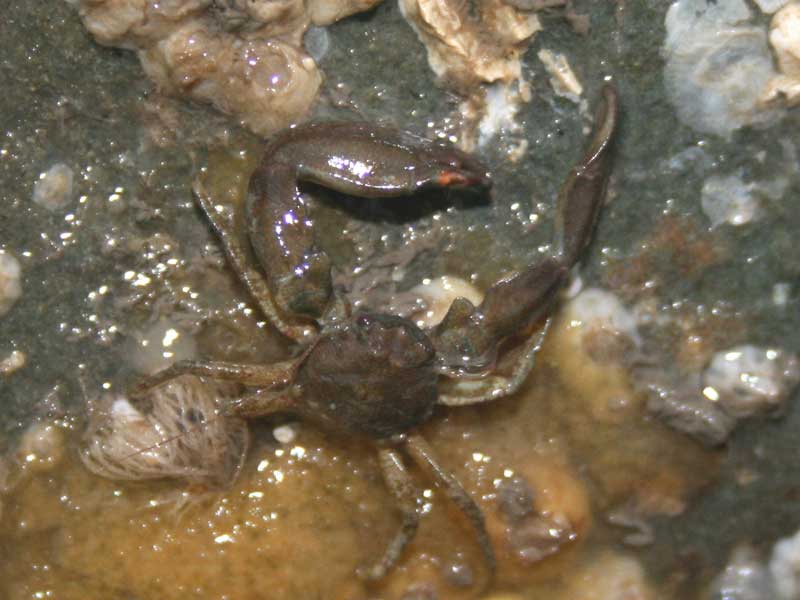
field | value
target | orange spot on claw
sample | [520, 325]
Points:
[450, 178]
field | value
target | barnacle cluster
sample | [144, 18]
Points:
[468, 49]
[245, 57]
[477, 51]
[719, 72]
[248, 59]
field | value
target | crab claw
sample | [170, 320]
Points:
[583, 192]
[468, 336]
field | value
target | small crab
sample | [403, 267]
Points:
[377, 375]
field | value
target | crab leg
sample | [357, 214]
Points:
[261, 403]
[224, 224]
[405, 494]
[274, 375]
[423, 456]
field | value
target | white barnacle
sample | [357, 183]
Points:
[53, 189]
[729, 200]
[10, 286]
[747, 380]
[437, 295]
[717, 66]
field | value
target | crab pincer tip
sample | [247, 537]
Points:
[457, 178]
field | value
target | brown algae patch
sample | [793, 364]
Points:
[303, 516]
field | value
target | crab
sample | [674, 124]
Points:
[374, 375]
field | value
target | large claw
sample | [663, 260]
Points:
[353, 158]
[468, 334]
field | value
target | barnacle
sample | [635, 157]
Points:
[10, 286]
[243, 57]
[717, 66]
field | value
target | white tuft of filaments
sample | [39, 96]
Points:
[182, 436]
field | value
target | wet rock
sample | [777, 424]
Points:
[4, 486]
[694, 159]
